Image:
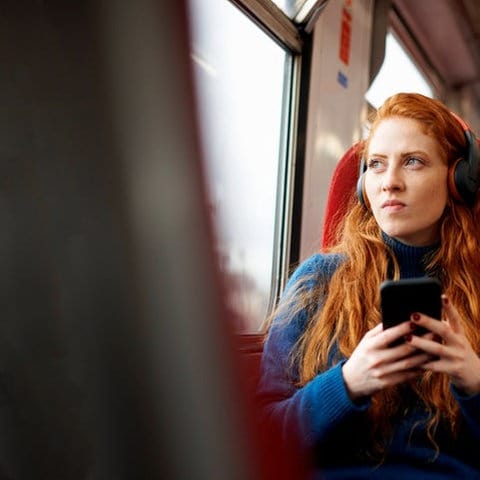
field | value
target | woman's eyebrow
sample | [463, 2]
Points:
[415, 152]
[402, 154]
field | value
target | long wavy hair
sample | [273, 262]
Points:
[338, 327]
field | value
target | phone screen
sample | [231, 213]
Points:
[400, 298]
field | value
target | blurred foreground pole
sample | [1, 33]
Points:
[184, 355]
[115, 358]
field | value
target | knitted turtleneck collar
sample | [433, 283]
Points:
[411, 259]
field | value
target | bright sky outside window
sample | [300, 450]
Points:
[240, 78]
[398, 74]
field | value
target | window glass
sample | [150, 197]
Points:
[389, 81]
[241, 75]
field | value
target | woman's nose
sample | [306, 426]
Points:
[392, 179]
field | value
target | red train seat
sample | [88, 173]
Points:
[341, 193]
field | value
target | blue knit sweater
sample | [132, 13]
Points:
[335, 429]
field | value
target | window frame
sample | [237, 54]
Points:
[274, 21]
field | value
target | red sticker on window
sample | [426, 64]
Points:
[345, 36]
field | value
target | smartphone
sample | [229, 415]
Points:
[400, 298]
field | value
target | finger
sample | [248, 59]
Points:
[396, 353]
[436, 365]
[433, 325]
[411, 362]
[388, 336]
[375, 330]
[401, 377]
[431, 347]
[430, 336]
[452, 315]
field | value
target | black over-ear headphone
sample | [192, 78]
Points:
[361, 182]
[463, 177]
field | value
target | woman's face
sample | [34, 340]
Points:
[406, 181]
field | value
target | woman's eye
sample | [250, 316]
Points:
[413, 161]
[374, 164]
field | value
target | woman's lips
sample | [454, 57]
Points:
[393, 206]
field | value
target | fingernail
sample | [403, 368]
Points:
[444, 300]
[413, 326]
[415, 317]
[408, 337]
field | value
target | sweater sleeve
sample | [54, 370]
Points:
[314, 410]
[470, 408]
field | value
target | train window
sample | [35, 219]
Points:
[389, 81]
[242, 83]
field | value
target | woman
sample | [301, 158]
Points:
[330, 378]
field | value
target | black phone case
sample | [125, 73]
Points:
[400, 298]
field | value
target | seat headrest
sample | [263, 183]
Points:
[340, 194]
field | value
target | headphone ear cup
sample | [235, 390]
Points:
[464, 176]
[362, 196]
[460, 183]
[361, 190]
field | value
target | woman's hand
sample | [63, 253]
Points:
[454, 356]
[374, 365]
